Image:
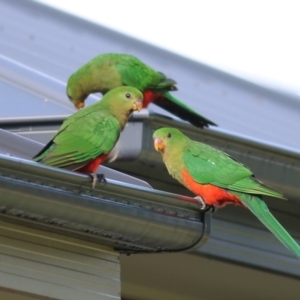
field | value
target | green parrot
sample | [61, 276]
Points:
[110, 70]
[86, 138]
[217, 179]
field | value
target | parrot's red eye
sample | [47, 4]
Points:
[169, 135]
[127, 95]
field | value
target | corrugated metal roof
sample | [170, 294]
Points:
[57, 44]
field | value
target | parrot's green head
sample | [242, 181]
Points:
[74, 92]
[122, 100]
[167, 139]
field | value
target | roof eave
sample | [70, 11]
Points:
[117, 214]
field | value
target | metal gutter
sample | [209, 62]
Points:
[117, 214]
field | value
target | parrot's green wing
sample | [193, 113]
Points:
[135, 73]
[208, 165]
[82, 137]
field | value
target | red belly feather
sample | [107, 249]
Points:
[92, 166]
[211, 194]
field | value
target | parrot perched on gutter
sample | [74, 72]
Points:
[110, 70]
[217, 179]
[86, 138]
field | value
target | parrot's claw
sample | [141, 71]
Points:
[98, 177]
[204, 207]
[211, 208]
[102, 180]
[201, 202]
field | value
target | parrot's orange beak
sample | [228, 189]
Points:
[159, 145]
[79, 105]
[137, 105]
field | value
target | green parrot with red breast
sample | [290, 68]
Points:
[217, 179]
[86, 138]
[111, 70]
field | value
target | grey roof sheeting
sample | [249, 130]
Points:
[56, 44]
[124, 216]
[235, 104]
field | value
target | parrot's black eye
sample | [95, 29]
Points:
[169, 135]
[127, 95]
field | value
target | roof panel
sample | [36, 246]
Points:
[57, 44]
[18, 102]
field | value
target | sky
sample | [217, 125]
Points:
[257, 40]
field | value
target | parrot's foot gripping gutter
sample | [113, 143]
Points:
[204, 207]
[97, 178]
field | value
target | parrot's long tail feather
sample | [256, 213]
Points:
[184, 112]
[259, 208]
